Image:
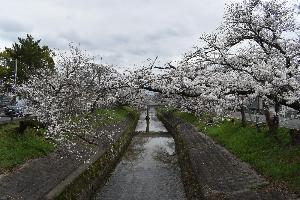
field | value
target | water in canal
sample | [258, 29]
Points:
[149, 168]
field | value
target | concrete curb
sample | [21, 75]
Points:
[209, 171]
[59, 189]
[192, 186]
[83, 182]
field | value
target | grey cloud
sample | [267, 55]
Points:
[121, 39]
[165, 33]
[12, 26]
[122, 32]
[73, 36]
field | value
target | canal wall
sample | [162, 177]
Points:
[149, 169]
[191, 184]
[87, 178]
[209, 171]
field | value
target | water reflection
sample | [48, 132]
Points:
[134, 151]
[148, 170]
[151, 125]
[166, 154]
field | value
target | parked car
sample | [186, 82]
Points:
[16, 109]
[5, 101]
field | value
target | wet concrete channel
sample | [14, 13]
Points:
[149, 168]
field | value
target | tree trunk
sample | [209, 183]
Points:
[147, 120]
[243, 113]
[94, 105]
[295, 137]
[272, 122]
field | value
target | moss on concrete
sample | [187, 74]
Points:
[191, 185]
[89, 177]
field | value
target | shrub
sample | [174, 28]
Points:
[23, 125]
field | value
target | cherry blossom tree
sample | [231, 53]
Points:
[264, 35]
[77, 86]
[254, 53]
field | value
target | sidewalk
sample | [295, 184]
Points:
[217, 172]
[283, 122]
[36, 178]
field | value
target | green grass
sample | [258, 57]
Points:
[106, 116]
[110, 116]
[16, 149]
[276, 160]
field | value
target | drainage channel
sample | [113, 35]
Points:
[148, 169]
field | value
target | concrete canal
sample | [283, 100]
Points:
[149, 169]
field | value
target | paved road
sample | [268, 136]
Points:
[283, 122]
[5, 119]
[149, 169]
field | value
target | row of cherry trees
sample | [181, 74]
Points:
[77, 86]
[253, 53]
[60, 97]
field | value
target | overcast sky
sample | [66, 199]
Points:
[123, 32]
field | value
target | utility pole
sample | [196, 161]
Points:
[16, 71]
[147, 119]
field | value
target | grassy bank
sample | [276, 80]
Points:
[277, 160]
[106, 116]
[93, 176]
[111, 116]
[16, 149]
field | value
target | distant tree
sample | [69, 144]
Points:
[31, 57]
[6, 72]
